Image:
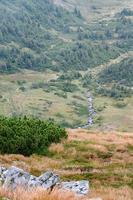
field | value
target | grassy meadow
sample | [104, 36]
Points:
[38, 102]
[20, 96]
[50, 58]
[102, 158]
[93, 10]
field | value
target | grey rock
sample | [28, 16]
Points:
[2, 169]
[46, 180]
[44, 177]
[15, 177]
[2, 176]
[34, 182]
[51, 182]
[79, 187]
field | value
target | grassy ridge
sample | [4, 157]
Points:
[105, 159]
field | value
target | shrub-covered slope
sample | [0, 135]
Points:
[120, 73]
[27, 31]
[33, 35]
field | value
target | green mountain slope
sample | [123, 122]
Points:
[27, 31]
[121, 73]
[39, 35]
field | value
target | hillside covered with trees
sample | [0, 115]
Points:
[38, 35]
[121, 73]
[51, 55]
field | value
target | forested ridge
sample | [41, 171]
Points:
[38, 35]
[121, 73]
[26, 32]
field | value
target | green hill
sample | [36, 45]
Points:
[121, 73]
[28, 29]
[39, 35]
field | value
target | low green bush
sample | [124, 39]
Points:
[120, 104]
[28, 136]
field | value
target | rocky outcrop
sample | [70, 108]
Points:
[14, 177]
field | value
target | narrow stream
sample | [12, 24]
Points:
[91, 111]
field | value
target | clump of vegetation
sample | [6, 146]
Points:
[82, 56]
[126, 12]
[27, 135]
[72, 75]
[120, 104]
[115, 91]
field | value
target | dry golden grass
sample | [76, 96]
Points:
[124, 193]
[101, 142]
[34, 164]
[104, 142]
[56, 148]
[37, 194]
[101, 137]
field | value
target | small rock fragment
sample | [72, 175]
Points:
[79, 187]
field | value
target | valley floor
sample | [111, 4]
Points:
[103, 158]
[17, 97]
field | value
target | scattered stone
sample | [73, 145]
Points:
[34, 182]
[2, 169]
[2, 177]
[14, 177]
[79, 187]
[49, 179]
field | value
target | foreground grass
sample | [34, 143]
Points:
[39, 194]
[36, 194]
[105, 159]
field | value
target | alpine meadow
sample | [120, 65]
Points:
[66, 100]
